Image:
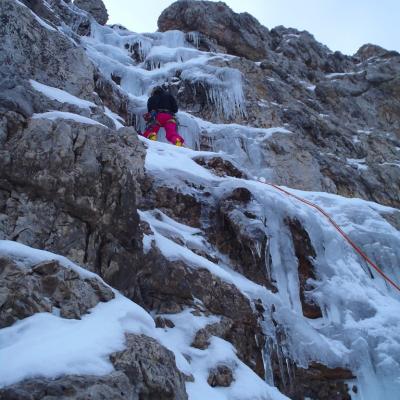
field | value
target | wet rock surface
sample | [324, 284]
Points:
[321, 382]
[241, 235]
[305, 254]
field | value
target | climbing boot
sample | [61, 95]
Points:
[152, 136]
[178, 143]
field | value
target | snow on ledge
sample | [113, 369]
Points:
[25, 255]
[50, 346]
[54, 115]
[60, 95]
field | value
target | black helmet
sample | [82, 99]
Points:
[157, 90]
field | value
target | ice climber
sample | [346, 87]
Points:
[161, 109]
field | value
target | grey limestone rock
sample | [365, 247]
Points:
[221, 375]
[44, 287]
[94, 7]
[114, 386]
[53, 60]
[240, 34]
[71, 188]
[151, 369]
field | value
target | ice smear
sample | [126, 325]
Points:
[54, 115]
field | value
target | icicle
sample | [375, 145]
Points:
[194, 38]
[223, 87]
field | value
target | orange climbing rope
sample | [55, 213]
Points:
[339, 229]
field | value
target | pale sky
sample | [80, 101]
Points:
[343, 25]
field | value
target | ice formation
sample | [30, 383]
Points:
[145, 60]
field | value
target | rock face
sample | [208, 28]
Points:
[143, 370]
[94, 7]
[304, 86]
[73, 173]
[71, 70]
[74, 387]
[240, 34]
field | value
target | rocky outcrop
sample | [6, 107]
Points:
[317, 381]
[304, 86]
[370, 51]
[242, 236]
[240, 34]
[220, 376]
[46, 287]
[114, 386]
[170, 287]
[94, 7]
[220, 166]
[354, 155]
[150, 368]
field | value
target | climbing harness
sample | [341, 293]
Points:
[339, 229]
